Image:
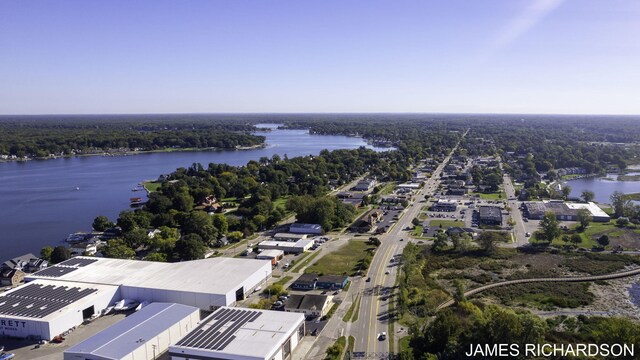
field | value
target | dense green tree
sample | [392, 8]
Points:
[190, 247]
[59, 254]
[488, 241]
[618, 202]
[118, 249]
[46, 252]
[440, 241]
[587, 195]
[603, 240]
[157, 256]
[549, 227]
[102, 223]
[584, 218]
[234, 236]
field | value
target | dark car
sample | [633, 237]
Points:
[368, 279]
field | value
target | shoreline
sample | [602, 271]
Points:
[139, 152]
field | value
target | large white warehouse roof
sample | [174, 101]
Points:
[121, 339]
[216, 275]
[239, 333]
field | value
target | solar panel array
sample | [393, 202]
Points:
[38, 301]
[78, 262]
[65, 267]
[219, 331]
[55, 271]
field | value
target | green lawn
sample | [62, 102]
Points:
[589, 236]
[387, 189]
[446, 223]
[344, 260]
[281, 201]
[302, 261]
[151, 186]
[492, 196]
[417, 231]
[283, 281]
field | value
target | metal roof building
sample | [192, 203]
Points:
[206, 283]
[300, 228]
[43, 309]
[299, 246]
[142, 335]
[239, 334]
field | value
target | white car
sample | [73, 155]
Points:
[382, 336]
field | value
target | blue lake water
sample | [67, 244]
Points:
[603, 187]
[39, 203]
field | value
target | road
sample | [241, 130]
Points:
[374, 311]
[519, 231]
[616, 275]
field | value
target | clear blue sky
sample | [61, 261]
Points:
[490, 56]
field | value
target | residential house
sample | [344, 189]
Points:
[11, 277]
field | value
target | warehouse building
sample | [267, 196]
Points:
[64, 295]
[272, 255]
[444, 205]
[289, 237]
[490, 215]
[564, 211]
[311, 229]
[206, 284]
[141, 336]
[297, 247]
[43, 309]
[239, 334]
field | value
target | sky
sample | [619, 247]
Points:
[329, 56]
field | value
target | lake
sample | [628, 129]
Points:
[603, 187]
[40, 204]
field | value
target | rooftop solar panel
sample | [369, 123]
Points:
[78, 262]
[55, 271]
[219, 331]
[38, 301]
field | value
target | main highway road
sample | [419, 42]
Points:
[374, 316]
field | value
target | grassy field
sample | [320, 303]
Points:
[492, 196]
[352, 313]
[344, 260]
[591, 234]
[634, 196]
[301, 262]
[417, 231]
[284, 280]
[446, 223]
[151, 186]
[387, 188]
[281, 201]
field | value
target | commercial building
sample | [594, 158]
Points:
[445, 205]
[141, 336]
[332, 282]
[308, 304]
[564, 211]
[272, 255]
[239, 334]
[62, 296]
[206, 283]
[300, 228]
[43, 309]
[305, 282]
[409, 186]
[490, 215]
[312, 281]
[364, 185]
[289, 237]
[298, 247]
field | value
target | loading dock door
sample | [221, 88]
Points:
[240, 294]
[88, 312]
